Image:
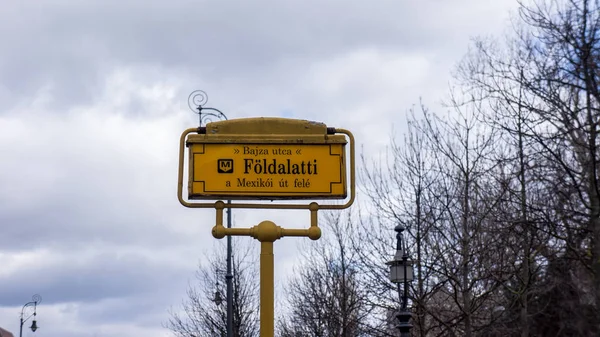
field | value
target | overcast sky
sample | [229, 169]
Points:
[93, 99]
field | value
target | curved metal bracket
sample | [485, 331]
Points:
[196, 101]
[36, 299]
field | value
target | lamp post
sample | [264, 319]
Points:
[36, 299]
[217, 299]
[196, 101]
[401, 271]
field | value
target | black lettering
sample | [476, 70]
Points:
[258, 167]
[256, 151]
[283, 183]
[247, 165]
[302, 183]
[273, 166]
[258, 183]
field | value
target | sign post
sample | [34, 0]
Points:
[267, 159]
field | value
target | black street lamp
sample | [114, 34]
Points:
[401, 271]
[37, 299]
[196, 101]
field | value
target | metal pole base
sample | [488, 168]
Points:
[404, 325]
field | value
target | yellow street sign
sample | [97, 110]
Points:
[267, 170]
[266, 158]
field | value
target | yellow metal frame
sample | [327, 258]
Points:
[266, 232]
[351, 183]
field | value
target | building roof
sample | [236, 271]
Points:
[5, 333]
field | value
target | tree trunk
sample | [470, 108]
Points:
[526, 227]
[466, 249]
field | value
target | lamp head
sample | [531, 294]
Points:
[34, 325]
[399, 228]
[401, 268]
[397, 271]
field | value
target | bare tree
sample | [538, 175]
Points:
[465, 237]
[517, 215]
[326, 298]
[398, 188]
[549, 72]
[203, 315]
[440, 185]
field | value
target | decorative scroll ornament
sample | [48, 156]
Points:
[196, 101]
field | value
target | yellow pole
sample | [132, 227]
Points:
[267, 290]
[266, 232]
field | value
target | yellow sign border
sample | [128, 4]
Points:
[296, 195]
[351, 183]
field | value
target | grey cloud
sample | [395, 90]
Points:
[78, 206]
[73, 44]
[106, 275]
[63, 224]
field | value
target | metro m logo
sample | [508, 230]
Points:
[225, 165]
